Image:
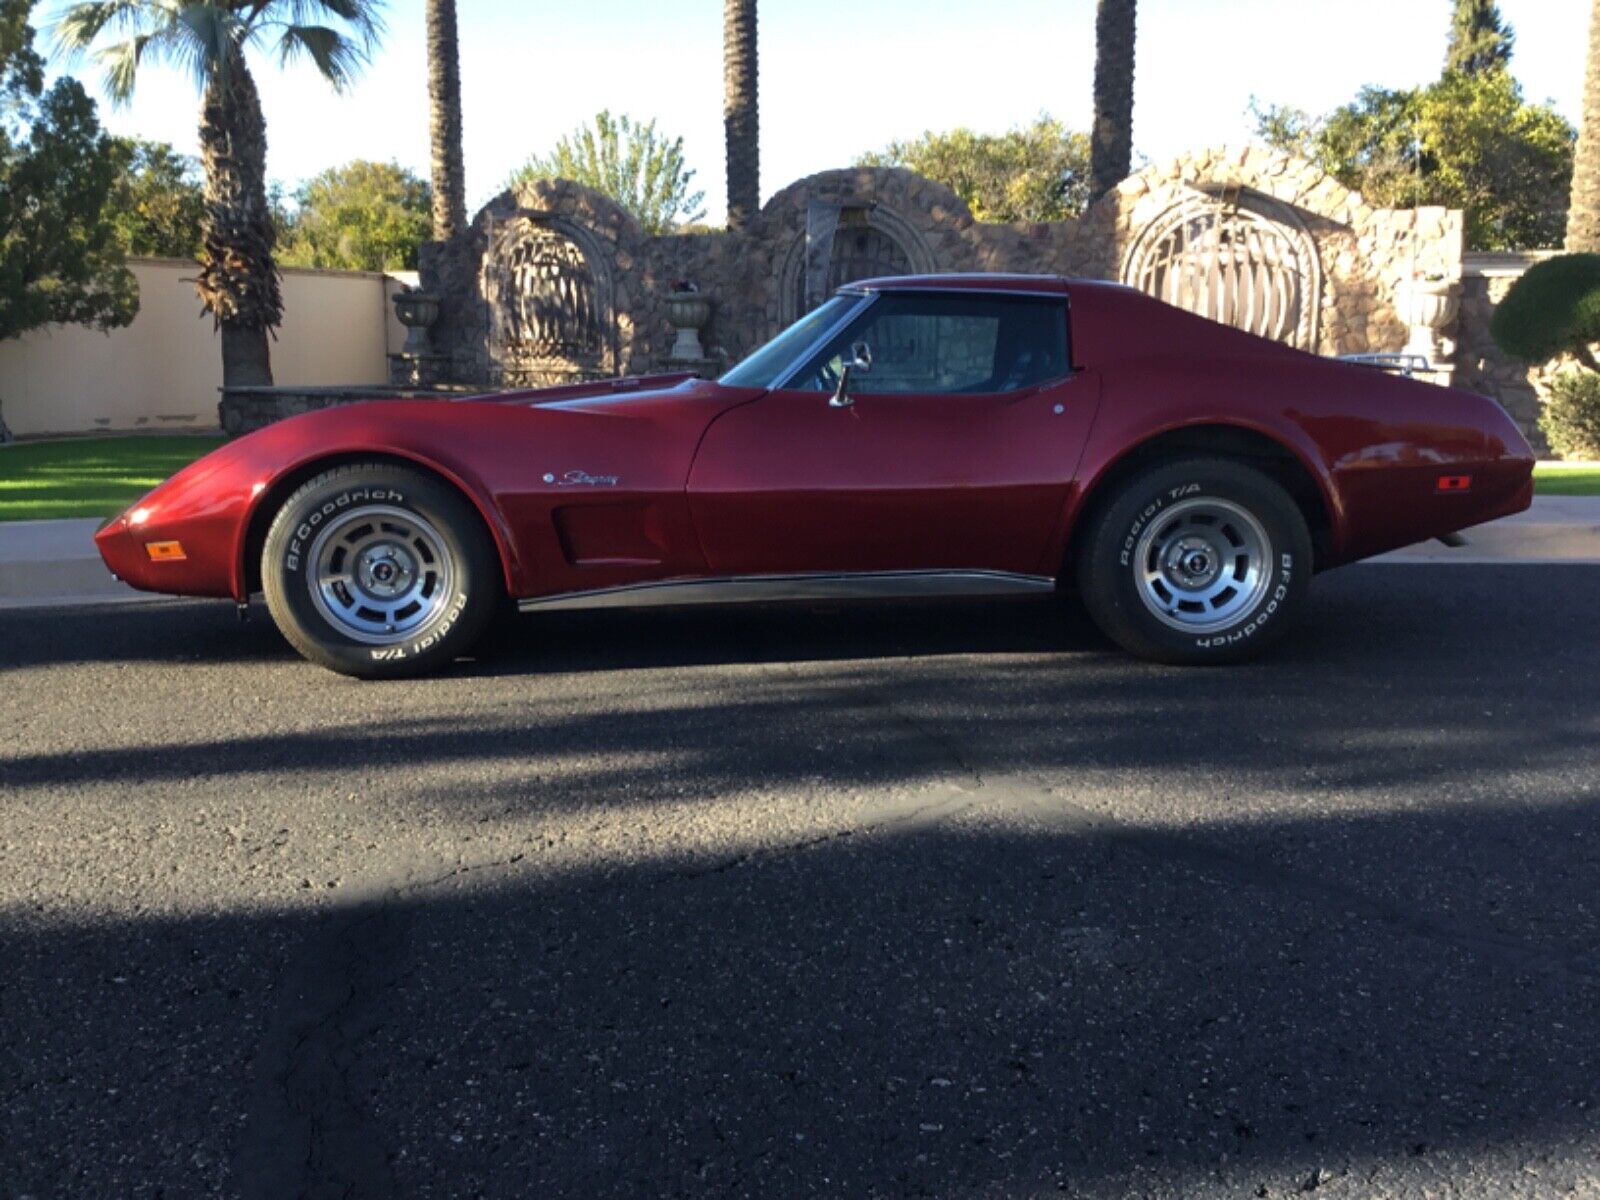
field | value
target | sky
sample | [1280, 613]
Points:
[840, 77]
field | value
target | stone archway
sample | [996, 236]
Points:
[844, 242]
[550, 300]
[1235, 256]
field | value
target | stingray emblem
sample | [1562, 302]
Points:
[582, 479]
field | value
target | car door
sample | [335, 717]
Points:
[954, 451]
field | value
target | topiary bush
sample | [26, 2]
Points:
[1571, 418]
[1553, 309]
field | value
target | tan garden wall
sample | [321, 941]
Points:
[164, 370]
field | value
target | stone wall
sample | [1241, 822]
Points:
[1484, 367]
[554, 282]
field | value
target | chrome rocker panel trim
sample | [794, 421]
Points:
[770, 589]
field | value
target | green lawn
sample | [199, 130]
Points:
[1566, 481]
[89, 477]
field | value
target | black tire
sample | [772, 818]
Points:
[1218, 519]
[420, 577]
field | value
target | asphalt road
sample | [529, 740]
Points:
[854, 902]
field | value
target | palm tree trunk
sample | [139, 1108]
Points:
[238, 281]
[740, 116]
[1111, 146]
[1583, 217]
[444, 100]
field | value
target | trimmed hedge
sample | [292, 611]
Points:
[1571, 419]
[1553, 309]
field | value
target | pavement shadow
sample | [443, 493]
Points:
[1322, 923]
[923, 1012]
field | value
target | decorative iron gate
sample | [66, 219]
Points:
[1234, 256]
[856, 251]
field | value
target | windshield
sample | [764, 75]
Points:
[781, 353]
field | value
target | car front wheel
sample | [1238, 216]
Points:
[1198, 561]
[378, 571]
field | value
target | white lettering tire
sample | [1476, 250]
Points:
[377, 571]
[1199, 561]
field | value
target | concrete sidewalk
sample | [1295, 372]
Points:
[50, 563]
[1557, 529]
[54, 563]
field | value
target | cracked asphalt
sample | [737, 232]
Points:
[848, 902]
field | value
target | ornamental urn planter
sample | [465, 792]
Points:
[688, 312]
[1428, 307]
[417, 311]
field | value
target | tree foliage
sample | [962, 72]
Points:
[1553, 309]
[1479, 40]
[363, 216]
[640, 169]
[1468, 141]
[1570, 418]
[1038, 172]
[212, 41]
[159, 203]
[60, 258]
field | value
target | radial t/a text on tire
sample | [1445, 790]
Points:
[379, 571]
[1197, 561]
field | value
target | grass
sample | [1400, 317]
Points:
[1556, 480]
[89, 477]
[99, 477]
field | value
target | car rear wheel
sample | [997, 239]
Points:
[1199, 561]
[379, 571]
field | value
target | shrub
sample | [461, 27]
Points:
[1571, 418]
[1553, 309]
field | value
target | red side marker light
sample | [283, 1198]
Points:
[1455, 483]
[165, 551]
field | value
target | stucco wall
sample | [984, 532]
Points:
[163, 371]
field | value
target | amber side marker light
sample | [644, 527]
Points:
[165, 551]
[1455, 483]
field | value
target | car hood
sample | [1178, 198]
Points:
[608, 395]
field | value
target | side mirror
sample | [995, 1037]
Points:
[860, 360]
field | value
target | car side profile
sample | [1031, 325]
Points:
[957, 435]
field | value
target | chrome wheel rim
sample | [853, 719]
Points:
[1202, 565]
[379, 574]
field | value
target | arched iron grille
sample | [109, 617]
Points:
[859, 252]
[1238, 258]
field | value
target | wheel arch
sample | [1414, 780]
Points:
[247, 570]
[1238, 443]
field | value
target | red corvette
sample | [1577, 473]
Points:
[962, 435]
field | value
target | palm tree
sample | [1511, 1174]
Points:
[1111, 143]
[740, 118]
[238, 281]
[444, 100]
[1583, 217]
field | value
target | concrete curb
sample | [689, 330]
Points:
[47, 564]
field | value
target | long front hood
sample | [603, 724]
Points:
[573, 395]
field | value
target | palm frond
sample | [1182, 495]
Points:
[121, 62]
[212, 34]
[337, 56]
[80, 24]
[364, 18]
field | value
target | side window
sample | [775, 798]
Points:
[949, 344]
